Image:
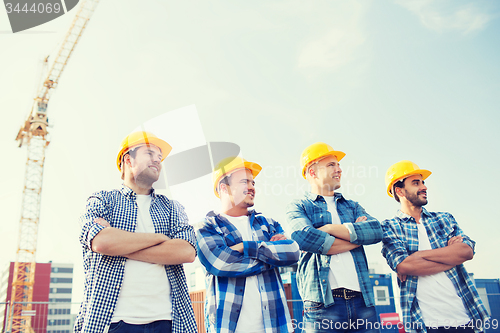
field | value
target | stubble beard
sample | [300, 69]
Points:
[145, 178]
[415, 200]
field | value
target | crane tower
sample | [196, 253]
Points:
[33, 134]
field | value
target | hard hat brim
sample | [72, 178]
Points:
[162, 145]
[253, 167]
[337, 153]
[424, 173]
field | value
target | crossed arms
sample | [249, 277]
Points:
[428, 262]
[459, 248]
[148, 247]
[332, 239]
[246, 258]
[98, 236]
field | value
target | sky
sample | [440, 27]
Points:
[382, 81]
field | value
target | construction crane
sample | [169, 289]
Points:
[34, 134]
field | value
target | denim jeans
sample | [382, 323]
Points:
[350, 315]
[160, 326]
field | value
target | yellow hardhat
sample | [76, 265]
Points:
[402, 169]
[315, 152]
[138, 138]
[231, 164]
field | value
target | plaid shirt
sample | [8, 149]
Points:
[104, 274]
[401, 240]
[226, 271]
[304, 217]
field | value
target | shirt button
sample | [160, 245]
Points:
[323, 280]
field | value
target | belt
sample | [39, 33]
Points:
[345, 293]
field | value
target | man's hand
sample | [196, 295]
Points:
[456, 239]
[361, 219]
[277, 237]
[102, 222]
[238, 247]
[402, 277]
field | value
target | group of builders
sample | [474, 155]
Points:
[135, 241]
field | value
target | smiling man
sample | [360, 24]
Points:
[427, 250]
[333, 273]
[241, 251]
[134, 243]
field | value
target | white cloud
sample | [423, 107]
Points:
[338, 45]
[446, 16]
[332, 50]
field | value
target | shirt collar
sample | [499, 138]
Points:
[404, 216]
[213, 213]
[129, 193]
[312, 196]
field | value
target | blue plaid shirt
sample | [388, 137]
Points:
[401, 240]
[304, 217]
[226, 271]
[104, 274]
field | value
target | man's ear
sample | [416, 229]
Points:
[399, 191]
[127, 160]
[224, 188]
[311, 171]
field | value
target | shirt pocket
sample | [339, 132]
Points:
[444, 234]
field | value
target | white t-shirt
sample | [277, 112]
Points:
[145, 294]
[436, 295]
[342, 268]
[250, 319]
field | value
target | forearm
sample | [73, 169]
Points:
[340, 246]
[454, 254]
[275, 253]
[170, 252]
[418, 266]
[279, 253]
[222, 260]
[337, 230]
[117, 242]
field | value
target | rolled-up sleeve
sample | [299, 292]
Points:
[94, 209]
[182, 229]
[365, 232]
[302, 231]
[393, 249]
[458, 232]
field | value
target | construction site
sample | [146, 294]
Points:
[267, 78]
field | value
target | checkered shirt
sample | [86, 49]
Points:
[226, 271]
[401, 240]
[304, 217]
[104, 274]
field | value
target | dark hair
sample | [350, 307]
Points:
[225, 180]
[399, 184]
[131, 152]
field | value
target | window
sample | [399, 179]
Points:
[61, 280]
[63, 290]
[62, 270]
[381, 295]
[62, 300]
